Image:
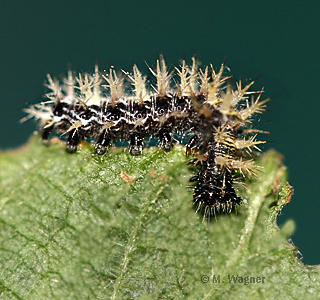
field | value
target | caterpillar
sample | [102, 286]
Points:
[188, 100]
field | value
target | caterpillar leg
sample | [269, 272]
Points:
[136, 144]
[103, 142]
[45, 133]
[165, 140]
[194, 145]
[74, 139]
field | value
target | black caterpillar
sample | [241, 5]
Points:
[100, 109]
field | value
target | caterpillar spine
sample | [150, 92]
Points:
[100, 108]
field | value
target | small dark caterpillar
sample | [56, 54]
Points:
[202, 104]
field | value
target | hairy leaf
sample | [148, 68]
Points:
[83, 226]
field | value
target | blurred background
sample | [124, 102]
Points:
[276, 43]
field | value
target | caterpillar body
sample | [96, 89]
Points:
[201, 103]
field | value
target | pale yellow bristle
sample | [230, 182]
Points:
[115, 85]
[204, 81]
[39, 112]
[188, 79]
[183, 88]
[75, 126]
[97, 80]
[69, 83]
[213, 87]
[215, 81]
[245, 167]
[162, 76]
[139, 82]
[241, 93]
[222, 136]
[255, 107]
[223, 161]
[193, 76]
[85, 86]
[54, 85]
[227, 100]
[249, 144]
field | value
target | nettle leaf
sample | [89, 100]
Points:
[123, 227]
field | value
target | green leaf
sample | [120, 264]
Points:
[123, 227]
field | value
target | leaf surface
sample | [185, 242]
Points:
[123, 227]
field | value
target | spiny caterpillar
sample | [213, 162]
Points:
[200, 103]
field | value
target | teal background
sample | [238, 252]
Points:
[276, 43]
